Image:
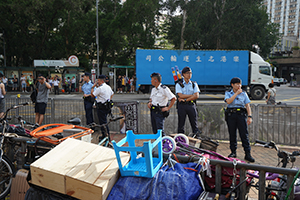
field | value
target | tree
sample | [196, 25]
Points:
[224, 24]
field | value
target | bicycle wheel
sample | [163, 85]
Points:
[6, 175]
[168, 145]
[181, 138]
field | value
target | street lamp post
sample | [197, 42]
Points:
[97, 39]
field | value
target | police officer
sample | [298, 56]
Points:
[88, 99]
[188, 93]
[158, 103]
[238, 116]
[103, 94]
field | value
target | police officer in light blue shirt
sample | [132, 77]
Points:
[88, 99]
[188, 93]
[238, 116]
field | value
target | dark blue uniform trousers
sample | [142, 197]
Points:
[157, 121]
[238, 121]
[191, 112]
[102, 116]
[88, 107]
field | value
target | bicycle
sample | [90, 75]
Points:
[106, 141]
[6, 165]
[277, 188]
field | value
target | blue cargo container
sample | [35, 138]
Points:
[212, 69]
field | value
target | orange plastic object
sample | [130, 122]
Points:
[45, 135]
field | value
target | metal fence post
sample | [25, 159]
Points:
[17, 110]
[255, 114]
[52, 115]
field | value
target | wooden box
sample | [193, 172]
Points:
[79, 169]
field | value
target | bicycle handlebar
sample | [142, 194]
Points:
[284, 155]
[117, 118]
[13, 107]
[270, 144]
[102, 125]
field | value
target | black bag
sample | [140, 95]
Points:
[33, 95]
[208, 144]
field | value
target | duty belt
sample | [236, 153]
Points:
[236, 110]
[187, 102]
[157, 108]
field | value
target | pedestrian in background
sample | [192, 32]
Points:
[64, 84]
[30, 82]
[23, 83]
[188, 93]
[271, 95]
[56, 86]
[41, 100]
[158, 103]
[15, 83]
[238, 116]
[119, 84]
[2, 95]
[51, 83]
[73, 81]
[123, 84]
[103, 94]
[88, 99]
[131, 85]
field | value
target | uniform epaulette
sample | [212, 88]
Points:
[163, 86]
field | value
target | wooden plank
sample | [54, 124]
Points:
[107, 180]
[49, 171]
[81, 182]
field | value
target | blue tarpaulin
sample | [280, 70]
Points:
[182, 183]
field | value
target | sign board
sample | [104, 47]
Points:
[71, 62]
[292, 74]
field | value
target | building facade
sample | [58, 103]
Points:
[285, 13]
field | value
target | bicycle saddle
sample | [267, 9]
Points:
[75, 121]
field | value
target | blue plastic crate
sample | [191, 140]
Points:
[145, 166]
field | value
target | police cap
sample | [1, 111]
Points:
[235, 80]
[87, 74]
[101, 76]
[186, 69]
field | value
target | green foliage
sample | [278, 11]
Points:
[220, 24]
[295, 48]
[56, 29]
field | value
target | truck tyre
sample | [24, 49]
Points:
[257, 93]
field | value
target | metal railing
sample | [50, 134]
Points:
[279, 123]
[243, 167]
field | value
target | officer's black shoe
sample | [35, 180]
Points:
[232, 155]
[198, 134]
[248, 157]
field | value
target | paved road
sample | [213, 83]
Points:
[285, 94]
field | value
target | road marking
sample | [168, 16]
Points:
[291, 99]
[214, 96]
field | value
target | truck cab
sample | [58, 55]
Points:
[260, 76]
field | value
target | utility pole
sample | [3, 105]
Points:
[97, 40]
